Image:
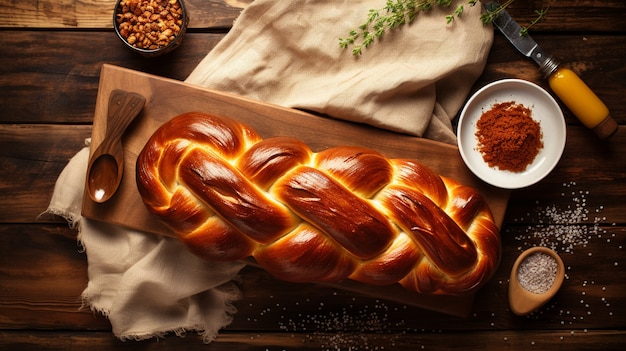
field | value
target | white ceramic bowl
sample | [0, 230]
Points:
[544, 109]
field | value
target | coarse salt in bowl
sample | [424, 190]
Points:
[544, 110]
[536, 276]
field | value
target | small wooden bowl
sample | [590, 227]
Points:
[523, 301]
[157, 51]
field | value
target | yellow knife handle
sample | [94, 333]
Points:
[583, 103]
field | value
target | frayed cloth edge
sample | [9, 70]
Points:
[208, 332]
[86, 304]
[72, 219]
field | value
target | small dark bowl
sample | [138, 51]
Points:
[161, 50]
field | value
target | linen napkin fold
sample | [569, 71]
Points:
[413, 80]
[284, 52]
[145, 284]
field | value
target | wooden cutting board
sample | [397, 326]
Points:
[166, 98]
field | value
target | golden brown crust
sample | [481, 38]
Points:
[346, 212]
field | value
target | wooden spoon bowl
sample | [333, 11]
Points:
[522, 301]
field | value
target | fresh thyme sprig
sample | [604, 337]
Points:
[493, 10]
[541, 15]
[396, 13]
[459, 11]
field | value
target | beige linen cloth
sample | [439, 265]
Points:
[284, 52]
[413, 80]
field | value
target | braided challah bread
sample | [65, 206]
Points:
[342, 213]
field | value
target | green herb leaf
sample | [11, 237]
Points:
[397, 13]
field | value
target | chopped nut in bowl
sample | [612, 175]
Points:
[150, 27]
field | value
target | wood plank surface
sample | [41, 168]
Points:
[51, 58]
[563, 15]
[435, 339]
[428, 340]
[35, 92]
[47, 276]
[88, 14]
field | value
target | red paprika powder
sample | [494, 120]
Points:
[508, 137]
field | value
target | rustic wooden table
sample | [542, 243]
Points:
[49, 76]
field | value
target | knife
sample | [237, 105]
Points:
[570, 89]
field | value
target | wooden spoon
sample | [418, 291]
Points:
[106, 165]
[521, 300]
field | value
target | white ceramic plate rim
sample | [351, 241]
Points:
[544, 109]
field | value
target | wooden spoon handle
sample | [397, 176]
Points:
[123, 108]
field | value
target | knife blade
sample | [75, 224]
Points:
[512, 31]
[571, 90]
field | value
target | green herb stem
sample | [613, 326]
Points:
[397, 13]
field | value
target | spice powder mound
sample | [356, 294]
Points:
[508, 137]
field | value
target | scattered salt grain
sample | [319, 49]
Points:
[561, 229]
